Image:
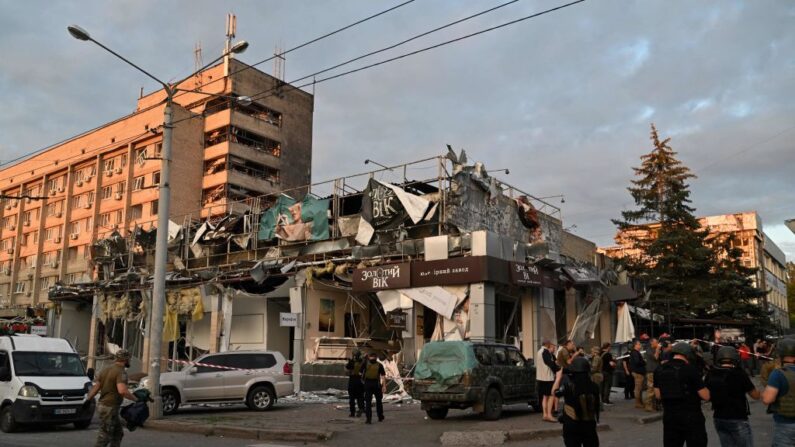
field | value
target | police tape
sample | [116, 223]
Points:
[231, 368]
[711, 343]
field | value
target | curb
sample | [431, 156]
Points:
[541, 433]
[241, 432]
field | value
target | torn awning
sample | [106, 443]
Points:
[442, 300]
[581, 275]
[386, 206]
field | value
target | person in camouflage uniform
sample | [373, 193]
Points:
[111, 385]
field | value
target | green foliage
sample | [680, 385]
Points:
[689, 274]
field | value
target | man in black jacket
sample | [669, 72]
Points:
[608, 367]
[637, 366]
[728, 385]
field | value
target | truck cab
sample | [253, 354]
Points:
[42, 381]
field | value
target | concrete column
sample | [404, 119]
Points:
[92, 332]
[482, 311]
[529, 329]
[571, 308]
[215, 322]
[297, 306]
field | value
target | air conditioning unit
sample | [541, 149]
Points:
[88, 206]
[118, 196]
[28, 293]
[58, 214]
[60, 189]
[53, 192]
[73, 236]
[6, 271]
[57, 240]
[108, 173]
[28, 200]
[54, 264]
[8, 207]
[26, 223]
[10, 251]
[117, 170]
[12, 227]
[29, 275]
[32, 267]
[79, 183]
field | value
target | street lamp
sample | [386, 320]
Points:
[164, 197]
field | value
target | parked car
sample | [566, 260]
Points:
[42, 381]
[461, 374]
[262, 378]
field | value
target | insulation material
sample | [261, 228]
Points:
[453, 329]
[444, 363]
[585, 324]
[393, 300]
[442, 300]
[348, 225]
[625, 330]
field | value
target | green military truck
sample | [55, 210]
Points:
[463, 374]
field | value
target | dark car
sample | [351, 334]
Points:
[461, 374]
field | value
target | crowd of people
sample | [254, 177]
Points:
[675, 378]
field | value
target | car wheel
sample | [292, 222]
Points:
[437, 412]
[260, 398]
[170, 400]
[492, 407]
[82, 425]
[7, 422]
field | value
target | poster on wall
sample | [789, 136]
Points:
[326, 316]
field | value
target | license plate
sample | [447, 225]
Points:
[65, 410]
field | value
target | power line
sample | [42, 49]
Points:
[264, 94]
[339, 30]
[310, 42]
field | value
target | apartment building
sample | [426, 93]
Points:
[758, 251]
[61, 201]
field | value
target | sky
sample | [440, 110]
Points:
[564, 100]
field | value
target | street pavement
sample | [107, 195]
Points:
[404, 423]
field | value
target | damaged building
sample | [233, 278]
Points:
[355, 263]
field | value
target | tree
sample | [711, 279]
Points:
[668, 249]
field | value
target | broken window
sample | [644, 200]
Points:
[156, 178]
[153, 208]
[254, 109]
[213, 194]
[214, 166]
[138, 183]
[104, 220]
[241, 136]
[253, 169]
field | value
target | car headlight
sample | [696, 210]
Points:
[28, 391]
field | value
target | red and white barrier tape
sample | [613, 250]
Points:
[721, 345]
[230, 368]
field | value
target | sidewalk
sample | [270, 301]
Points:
[311, 422]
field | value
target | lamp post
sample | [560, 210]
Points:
[164, 198]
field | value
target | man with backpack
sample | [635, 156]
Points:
[780, 395]
[728, 384]
[678, 385]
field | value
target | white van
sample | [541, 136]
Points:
[42, 381]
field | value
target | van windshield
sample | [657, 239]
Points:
[47, 364]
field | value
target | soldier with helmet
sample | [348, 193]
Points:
[678, 385]
[728, 384]
[111, 385]
[581, 405]
[780, 394]
[355, 386]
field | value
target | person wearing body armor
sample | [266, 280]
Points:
[608, 367]
[637, 366]
[111, 385]
[581, 405]
[355, 386]
[780, 395]
[374, 380]
[652, 359]
[728, 383]
[678, 385]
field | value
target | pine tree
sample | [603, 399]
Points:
[667, 245]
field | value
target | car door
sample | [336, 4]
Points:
[206, 383]
[525, 378]
[504, 372]
[236, 380]
[5, 385]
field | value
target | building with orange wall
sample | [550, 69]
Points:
[60, 201]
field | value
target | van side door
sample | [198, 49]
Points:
[6, 390]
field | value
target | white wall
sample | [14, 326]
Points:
[74, 324]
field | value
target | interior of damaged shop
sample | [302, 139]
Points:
[375, 261]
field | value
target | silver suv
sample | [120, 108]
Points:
[264, 376]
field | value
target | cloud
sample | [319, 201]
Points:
[563, 100]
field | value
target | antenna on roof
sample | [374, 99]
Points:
[198, 63]
[278, 63]
[231, 29]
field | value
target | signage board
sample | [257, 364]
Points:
[396, 319]
[287, 319]
[382, 277]
[448, 272]
[525, 274]
[38, 330]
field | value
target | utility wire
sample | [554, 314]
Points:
[310, 42]
[267, 93]
[339, 30]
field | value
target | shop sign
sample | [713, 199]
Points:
[38, 330]
[525, 274]
[287, 319]
[384, 277]
[396, 319]
[447, 272]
